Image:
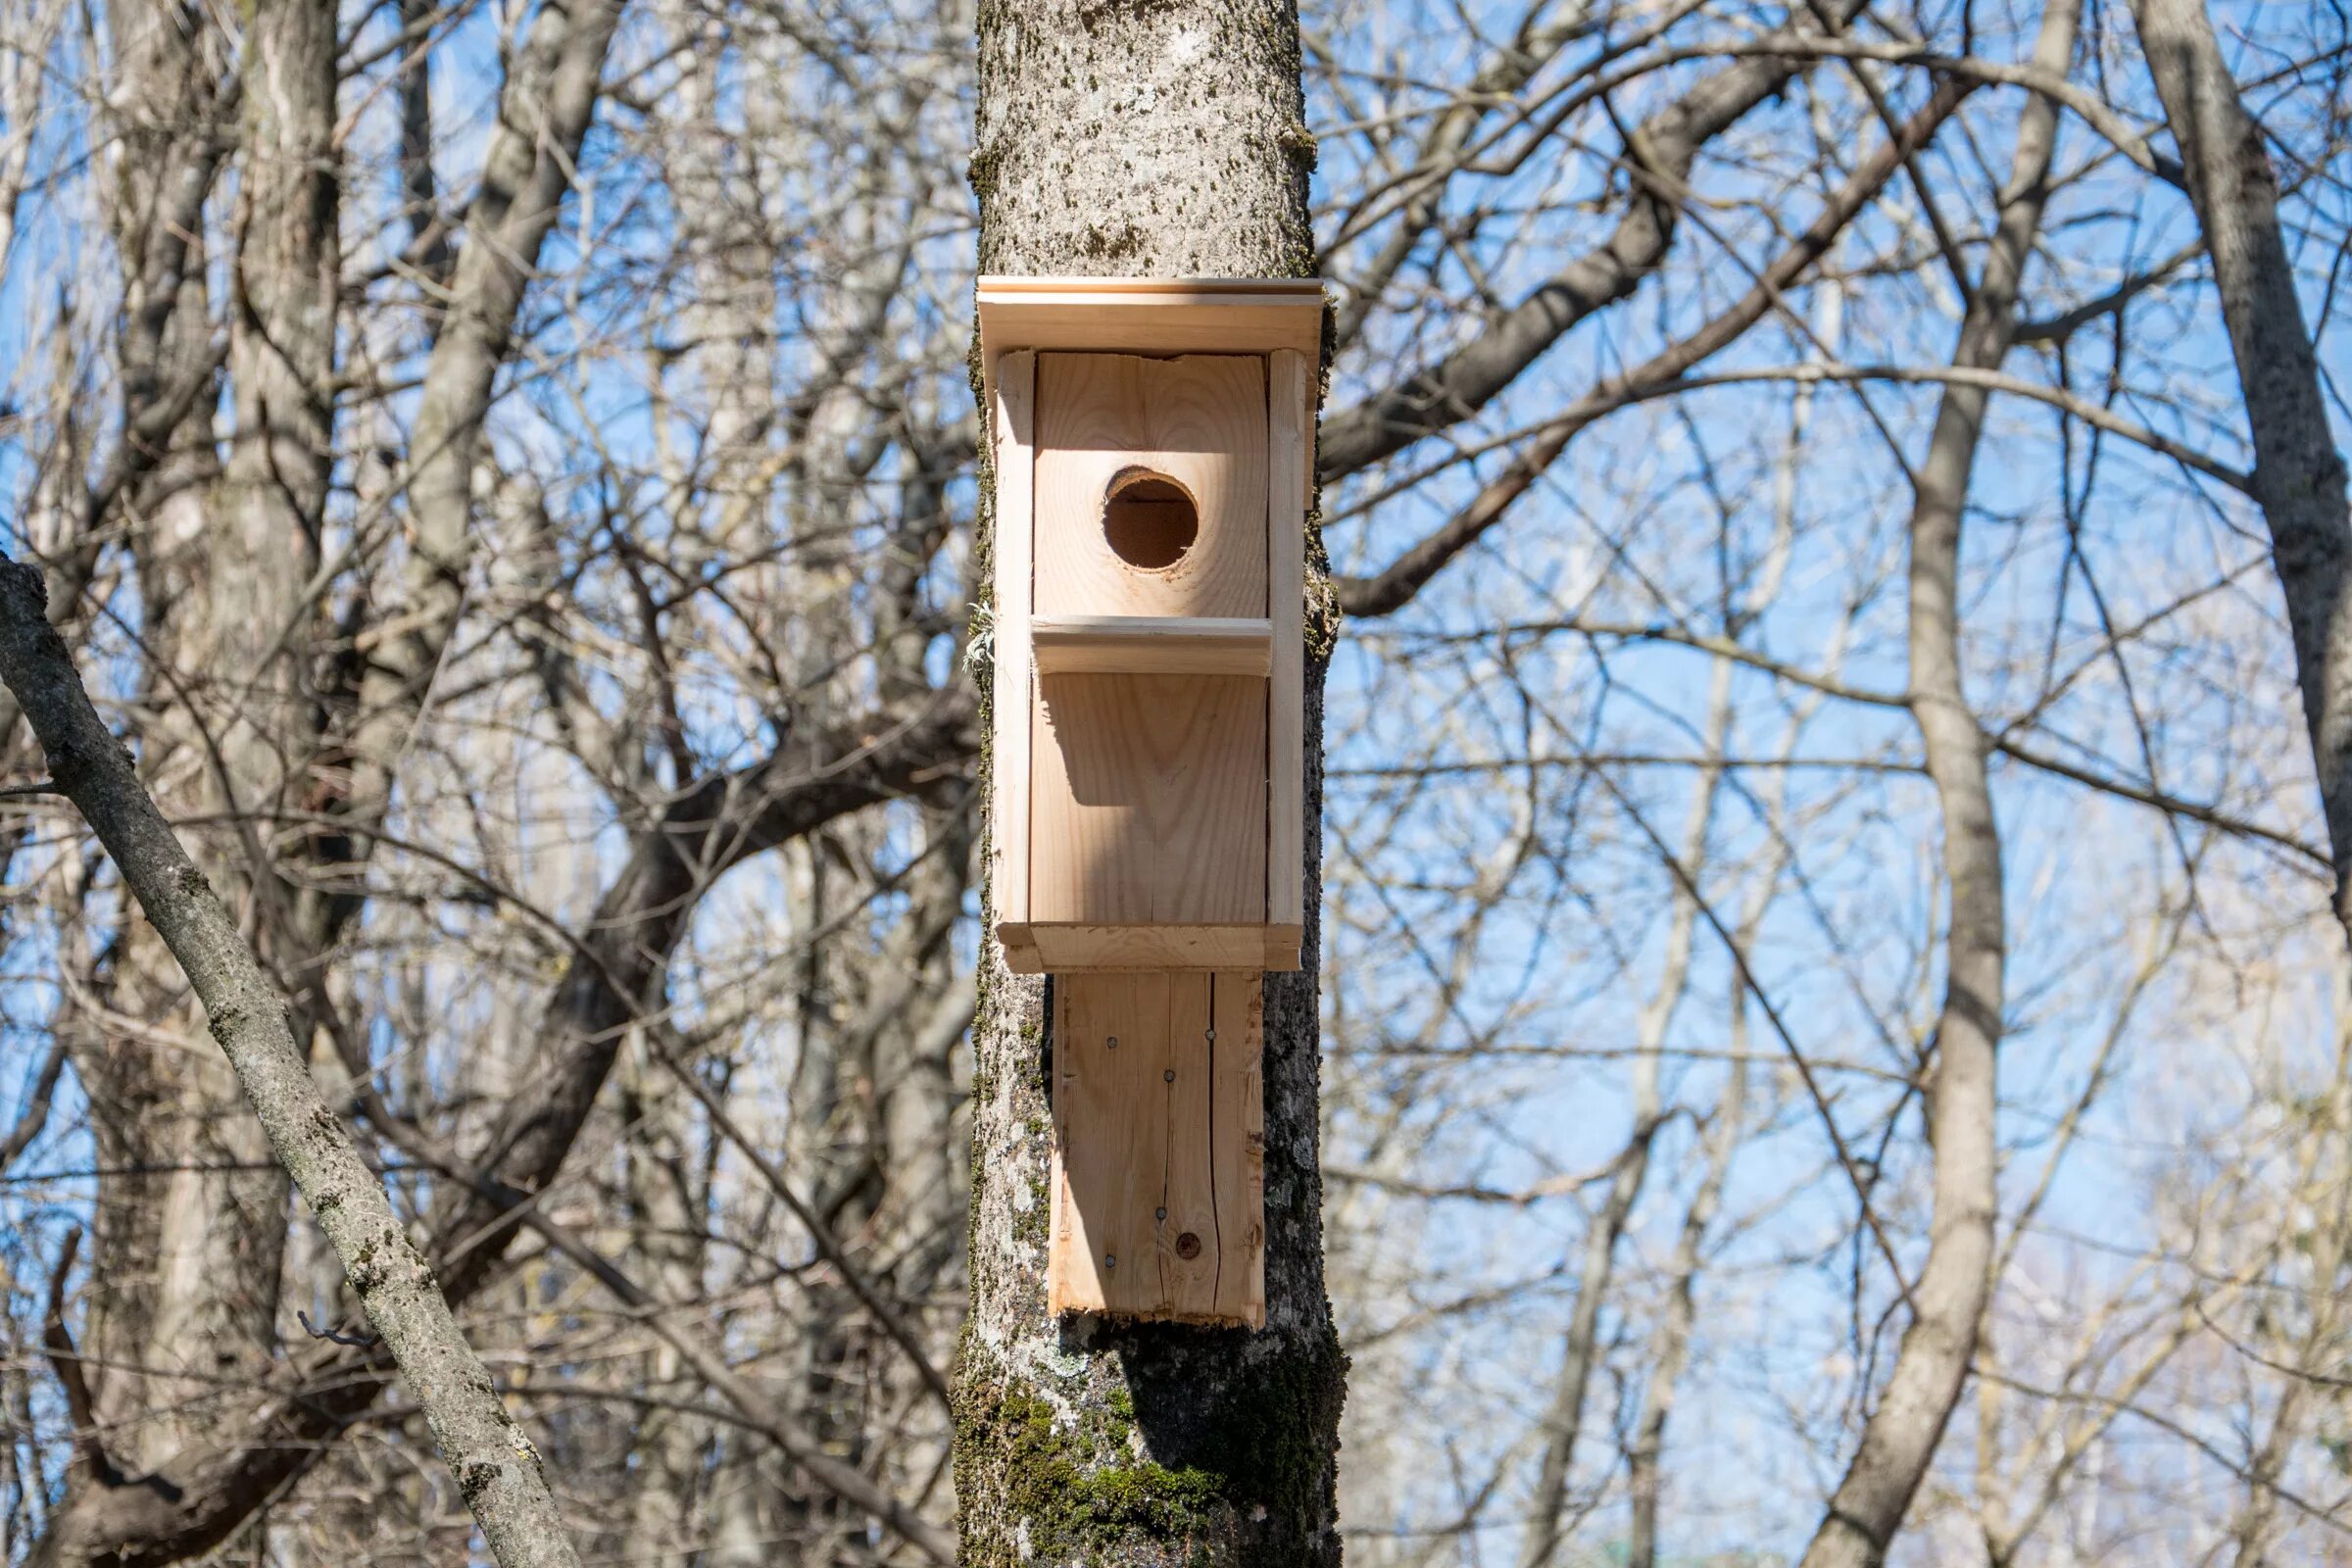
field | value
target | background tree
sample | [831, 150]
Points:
[604, 786]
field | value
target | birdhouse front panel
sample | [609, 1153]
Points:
[1148, 806]
[1150, 485]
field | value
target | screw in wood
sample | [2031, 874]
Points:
[1159, 1214]
[1209, 1035]
[1169, 1075]
[1110, 1260]
[1112, 1043]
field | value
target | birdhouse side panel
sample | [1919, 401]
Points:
[1012, 410]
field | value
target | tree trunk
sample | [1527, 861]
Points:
[1947, 1299]
[1164, 141]
[2298, 474]
[187, 1231]
[494, 1463]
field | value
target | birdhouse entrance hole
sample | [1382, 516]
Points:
[1149, 519]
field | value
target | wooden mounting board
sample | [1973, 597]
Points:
[1158, 1205]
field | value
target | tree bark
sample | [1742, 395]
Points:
[496, 1467]
[1947, 1299]
[2298, 473]
[1161, 140]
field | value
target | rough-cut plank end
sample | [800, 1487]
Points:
[1021, 951]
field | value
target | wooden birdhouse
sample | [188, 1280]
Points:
[1150, 439]
[1152, 445]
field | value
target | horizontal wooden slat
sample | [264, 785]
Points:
[1042, 947]
[1152, 645]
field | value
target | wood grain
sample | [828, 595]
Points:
[1148, 801]
[1289, 450]
[1158, 1207]
[1150, 316]
[1237, 1162]
[1187, 1232]
[1152, 645]
[1110, 1119]
[1012, 421]
[1198, 420]
[1034, 948]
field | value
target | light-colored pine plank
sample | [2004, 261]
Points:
[1104, 418]
[1187, 1241]
[1158, 1139]
[1020, 950]
[1147, 801]
[1150, 316]
[1111, 1119]
[1238, 1146]
[1040, 949]
[1152, 645]
[1288, 452]
[1012, 728]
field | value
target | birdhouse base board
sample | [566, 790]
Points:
[1038, 946]
[1158, 1205]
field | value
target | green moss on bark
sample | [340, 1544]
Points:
[1071, 1502]
[1207, 1448]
